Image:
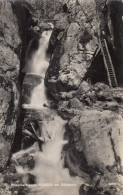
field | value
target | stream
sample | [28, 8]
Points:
[51, 176]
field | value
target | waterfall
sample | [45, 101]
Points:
[51, 176]
[38, 65]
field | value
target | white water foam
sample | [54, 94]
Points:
[49, 167]
[38, 65]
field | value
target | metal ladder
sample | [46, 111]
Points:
[108, 63]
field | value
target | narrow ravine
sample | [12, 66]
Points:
[51, 176]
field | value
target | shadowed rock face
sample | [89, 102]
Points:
[18, 27]
[110, 14]
[9, 72]
[117, 25]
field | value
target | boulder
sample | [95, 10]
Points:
[84, 87]
[87, 190]
[105, 95]
[100, 140]
[29, 83]
[26, 161]
[75, 104]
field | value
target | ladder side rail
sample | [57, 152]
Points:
[110, 61]
[109, 80]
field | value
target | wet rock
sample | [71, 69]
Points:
[26, 160]
[29, 83]
[76, 163]
[31, 179]
[45, 26]
[87, 190]
[34, 117]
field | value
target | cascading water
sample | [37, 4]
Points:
[51, 176]
[38, 66]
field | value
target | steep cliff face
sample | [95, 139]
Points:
[9, 71]
[74, 41]
[75, 45]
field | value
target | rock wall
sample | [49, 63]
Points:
[74, 41]
[19, 25]
[110, 14]
[30, 15]
[75, 45]
[10, 45]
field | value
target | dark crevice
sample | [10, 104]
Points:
[117, 158]
[24, 22]
[96, 71]
[11, 112]
[116, 13]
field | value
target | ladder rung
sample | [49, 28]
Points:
[110, 71]
[108, 63]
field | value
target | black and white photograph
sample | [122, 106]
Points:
[61, 97]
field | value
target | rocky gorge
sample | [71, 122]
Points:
[77, 86]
